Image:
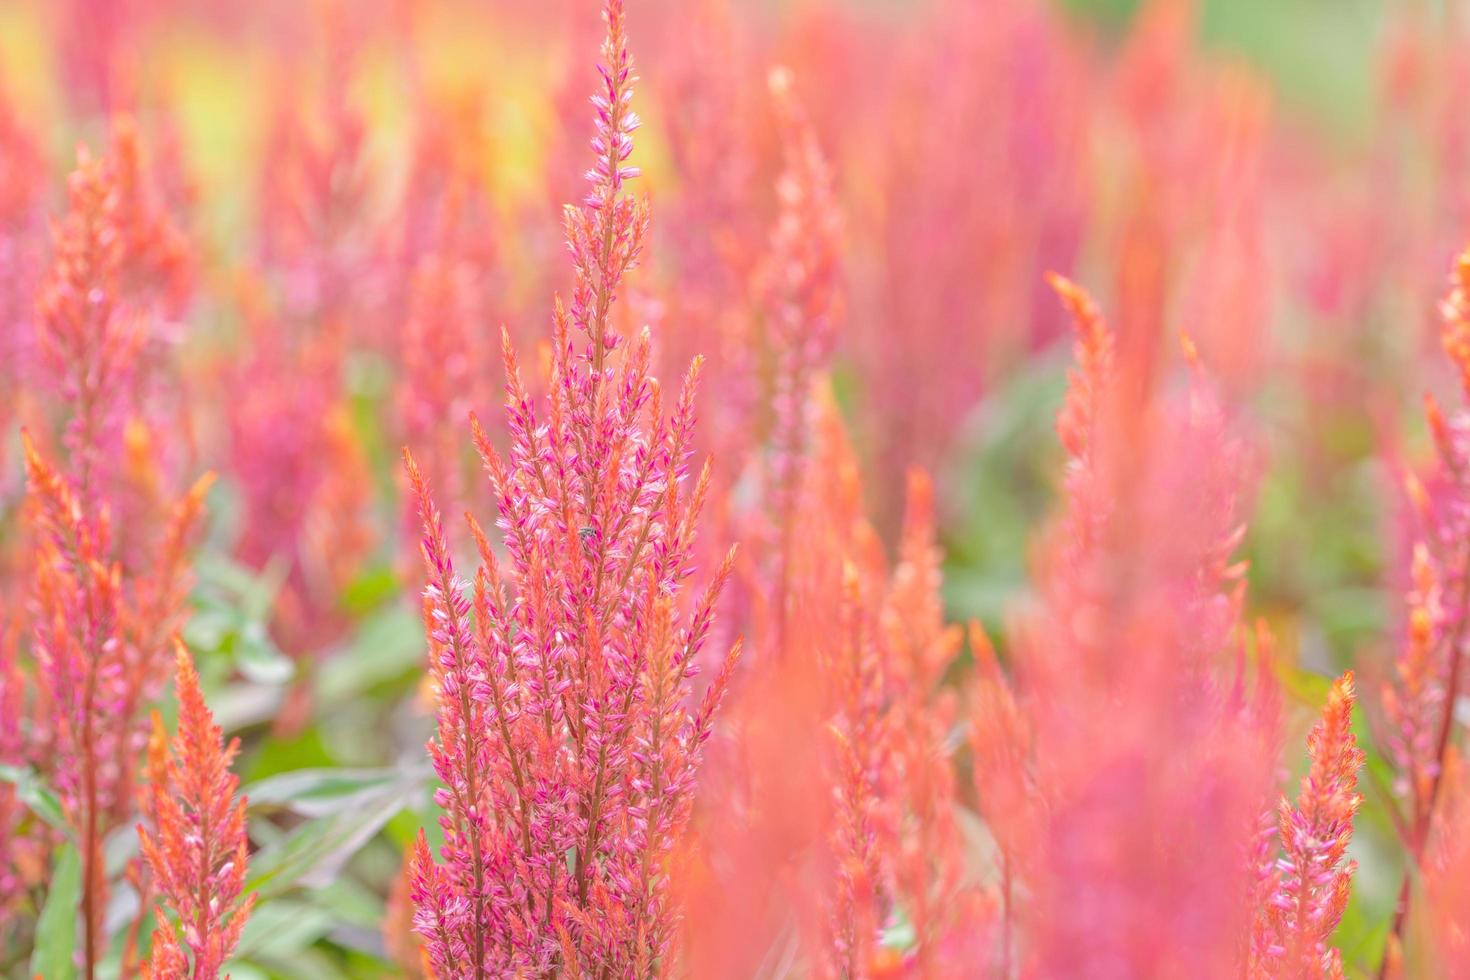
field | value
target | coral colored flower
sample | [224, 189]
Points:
[303, 478]
[878, 849]
[799, 282]
[983, 95]
[1138, 865]
[109, 567]
[194, 838]
[1419, 701]
[1294, 927]
[568, 738]
[22, 234]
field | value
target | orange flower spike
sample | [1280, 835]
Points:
[196, 846]
[1419, 703]
[1439, 431]
[1455, 309]
[1313, 888]
[1095, 354]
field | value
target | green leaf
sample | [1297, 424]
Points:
[254, 593]
[313, 854]
[899, 933]
[283, 928]
[56, 930]
[370, 589]
[209, 628]
[259, 659]
[35, 794]
[388, 645]
[322, 792]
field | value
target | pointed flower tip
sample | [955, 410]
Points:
[1059, 283]
[1191, 352]
[203, 485]
[411, 467]
[920, 488]
[182, 661]
[1343, 690]
[1079, 304]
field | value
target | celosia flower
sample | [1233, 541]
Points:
[22, 174]
[104, 602]
[79, 647]
[879, 847]
[923, 843]
[441, 239]
[1001, 743]
[90, 345]
[98, 639]
[983, 95]
[405, 946]
[1190, 234]
[13, 751]
[443, 367]
[194, 839]
[315, 236]
[303, 481]
[1139, 865]
[567, 740]
[21, 235]
[715, 235]
[1293, 929]
[799, 282]
[119, 267]
[99, 42]
[1419, 703]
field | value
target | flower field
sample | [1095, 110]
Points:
[714, 489]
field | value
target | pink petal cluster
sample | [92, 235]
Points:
[567, 740]
[1313, 881]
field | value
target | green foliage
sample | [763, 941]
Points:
[56, 932]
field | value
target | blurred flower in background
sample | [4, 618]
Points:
[1054, 571]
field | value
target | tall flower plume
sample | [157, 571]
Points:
[194, 838]
[1138, 866]
[568, 738]
[1419, 702]
[985, 95]
[303, 480]
[859, 663]
[799, 283]
[1294, 926]
[109, 568]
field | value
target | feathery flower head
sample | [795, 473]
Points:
[982, 96]
[1419, 699]
[109, 568]
[800, 283]
[118, 266]
[568, 735]
[194, 837]
[1135, 859]
[1294, 927]
[1094, 351]
[1455, 311]
[89, 345]
[22, 183]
